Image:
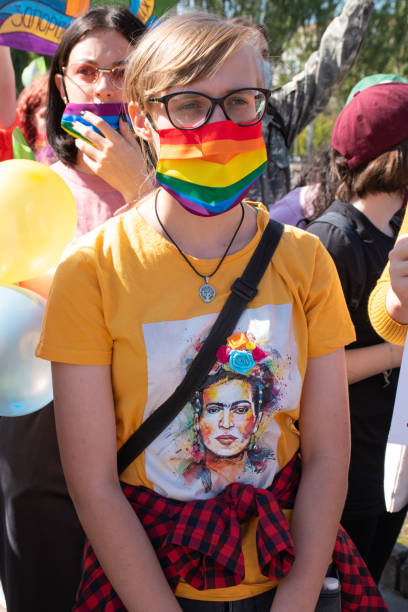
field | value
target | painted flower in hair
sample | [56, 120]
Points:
[241, 354]
[223, 354]
[241, 361]
[237, 341]
[258, 354]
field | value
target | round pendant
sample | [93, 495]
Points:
[207, 292]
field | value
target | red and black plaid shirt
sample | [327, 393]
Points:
[200, 542]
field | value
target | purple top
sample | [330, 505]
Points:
[295, 205]
[95, 199]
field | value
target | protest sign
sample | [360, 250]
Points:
[399, 425]
[33, 25]
[396, 456]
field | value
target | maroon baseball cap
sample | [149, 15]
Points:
[373, 122]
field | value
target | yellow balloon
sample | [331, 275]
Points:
[37, 219]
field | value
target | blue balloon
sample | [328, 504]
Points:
[25, 380]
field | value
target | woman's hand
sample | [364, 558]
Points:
[397, 297]
[116, 158]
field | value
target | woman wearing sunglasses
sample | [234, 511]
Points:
[99, 157]
[130, 308]
[42, 540]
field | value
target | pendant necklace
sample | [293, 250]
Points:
[206, 291]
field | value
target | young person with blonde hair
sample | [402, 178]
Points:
[130, 308]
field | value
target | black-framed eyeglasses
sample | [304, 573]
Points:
[189, 110]
[85, 74]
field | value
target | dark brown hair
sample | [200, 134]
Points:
[119, 19]
[387, 173]
[316, 170]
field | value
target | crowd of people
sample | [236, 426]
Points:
[248, 492]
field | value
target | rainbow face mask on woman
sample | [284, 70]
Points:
[210, 169]
[111, 112]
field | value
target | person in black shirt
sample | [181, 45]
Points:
[370, 161]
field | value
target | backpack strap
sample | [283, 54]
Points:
[347, 226]
[243, 290]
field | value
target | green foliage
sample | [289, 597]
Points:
[20, 60]
[161, 6]
[281, 18]
[323, 126]
[283, 24]
[108, 3]
[385, 46]
[323, 129]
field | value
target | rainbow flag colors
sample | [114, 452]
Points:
[38, 25]
[210, 169]
[109, 111]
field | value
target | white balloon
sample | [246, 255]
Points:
[25, 380]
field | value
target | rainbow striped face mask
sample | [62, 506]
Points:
[111, 112]
[210, 169]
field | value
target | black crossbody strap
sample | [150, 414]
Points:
[243, 290]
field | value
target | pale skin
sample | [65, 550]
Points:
[116, 158]
[368, 361]
[397, 297]
[8, 90]
[84, 403]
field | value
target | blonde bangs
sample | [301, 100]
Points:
[180, 50]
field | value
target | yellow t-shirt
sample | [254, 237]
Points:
[384, 325]
[124, 296]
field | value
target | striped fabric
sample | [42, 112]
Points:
[210, 169]
[109, 112]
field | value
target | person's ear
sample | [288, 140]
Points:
[59, 83]
[141, 124]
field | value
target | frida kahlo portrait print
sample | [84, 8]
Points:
[228, 411]
[230, 430]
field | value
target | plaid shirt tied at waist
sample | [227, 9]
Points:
[200, 542]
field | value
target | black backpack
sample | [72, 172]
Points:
[347, 227]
